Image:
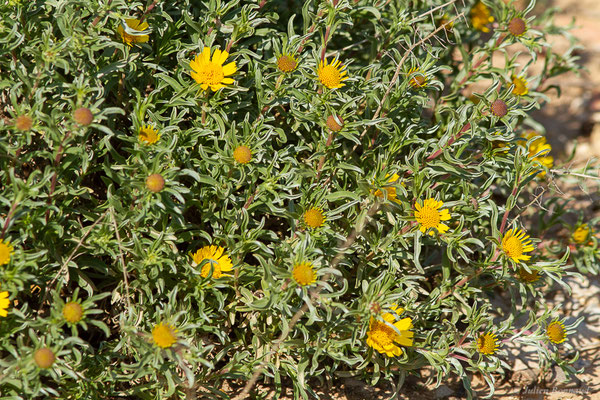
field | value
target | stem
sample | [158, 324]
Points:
[150, 8]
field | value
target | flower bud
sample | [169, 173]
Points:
[23, 122]
[335, 123]
[499, 108]
[155, 183]
[83, 116]
[44, 357]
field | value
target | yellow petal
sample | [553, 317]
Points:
[221, 60]
[204, 86]
[229, 69]
[227, 81]
[206, 55]
[216, 56]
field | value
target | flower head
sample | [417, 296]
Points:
[515, 243]
[44, 357]
[6, 251]
[216, 259]
[332, 75]
[135, 25]
[304, 274]
[148, 135]
[539, 151]
[417, 78]
[487, 343]
[314, 217]
[480, 17]
[212, 73]
[430, 216]
[580, 235]
[388, 335]
[335, 123]
[72, 312]
[242, 154]
[556, 332]
[286, 63]
[517, 26]
[390, 190]
[499, 108]
[23, 122]
[164, 335]
[529, 277]
[4, 304]
[83, 116]
[520, 88]
[155, 183]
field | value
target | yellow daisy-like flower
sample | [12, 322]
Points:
[135, 25]
[212, 73]
[541, 147]
[164, 335]
[382, 337]
[304, 274]
[556, 332]
[217, 258]
[314, 217]
[581, 235]
[515, 243]
[4, 304]
[481, 17]
[529, 277]
[417, 78]
[430, 216]
[6, 251]
[332, 75]
[520, 88]
[286, 63]
[72, 312]
[487, 343]
[390, 190]
[148, 135]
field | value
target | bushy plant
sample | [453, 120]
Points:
[197, 194]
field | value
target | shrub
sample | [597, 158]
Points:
[201, 193]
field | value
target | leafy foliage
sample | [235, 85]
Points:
[89, 226]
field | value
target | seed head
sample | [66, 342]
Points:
[83, 116]
[23, 122]
[499, 108]
[44, 357]
[517, 26]
[335, 123]
[155, 183]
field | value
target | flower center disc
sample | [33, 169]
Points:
[330, 76]
[212, 73]
[513, 247]
[429, 218]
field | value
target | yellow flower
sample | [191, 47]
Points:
[242, 154]
[135, 25]
[148, 135]
[385, 339]
[314, 217]
[429, 216]
[417, 78]
[520, 88]
[6, 250]
[304, 274]
[332, 75]
[216, 257]
[580, 235]
[480, 17]
[4, 304]
[539, 146]
[529, 277]
[556, 332]
[164, 335]
[515, 243]
[286, 63]
[72, 312]
[390, 190]
[212, 73]
[487, 343]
